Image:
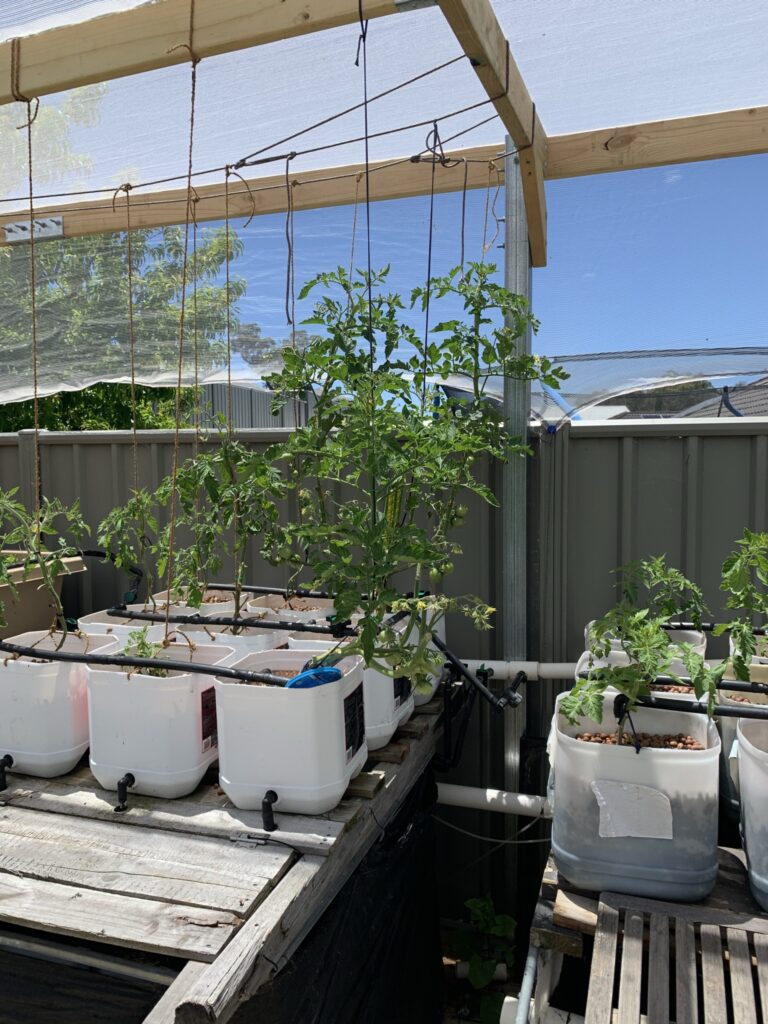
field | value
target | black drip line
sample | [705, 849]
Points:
[709, 627]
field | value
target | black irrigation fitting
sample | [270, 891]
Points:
[510, 698]
[128, 661]
[268, 812]
[123, 785]
[120, 611]
[709, 627]
[457, 701]
[6, 761]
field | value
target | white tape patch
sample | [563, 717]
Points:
[627, 809]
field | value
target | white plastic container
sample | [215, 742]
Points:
[388, 701]
[160, 729]
[758, 673]
[305, 745]
[224, 603]
[44, 720]
[294, 609]
[645, 823]
[695, 637]
[99, 623]
[752, 739]
[250, 641]
[618, 658]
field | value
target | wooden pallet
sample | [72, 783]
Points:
[181, 878]
[662, 963]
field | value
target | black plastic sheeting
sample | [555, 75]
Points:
[374, 957]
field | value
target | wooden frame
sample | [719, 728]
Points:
[479, 33]
[680, 140]
[156, 35]
[334, 186]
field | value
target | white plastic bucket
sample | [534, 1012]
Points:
[44, 721]
[224, 605]
[160, 729]
[250, 641]
[99, 623]
[642, 823]
[388, 701]
[695, 637]
[752, 739]
[620, 659]
[758, 673]
[294, 609]
[305, 745]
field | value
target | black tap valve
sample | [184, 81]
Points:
[6, 761]
[267, 811]
[123, 786]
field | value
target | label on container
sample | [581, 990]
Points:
[627, 809]
[402, 687]
[354, 722]
[208, 708]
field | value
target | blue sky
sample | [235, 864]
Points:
[665, 257]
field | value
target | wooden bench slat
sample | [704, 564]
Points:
[658, 970]
[600, 998]
[712, 974]
[740, 964]
[686, 994]
[761, 956]
[631, 976]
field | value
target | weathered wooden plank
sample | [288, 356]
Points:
[740, 969]
[311, 834]
[286, 915]
[572, 910]
[190, 932]
[696, 912]
[658, 970]
[601, 977]
[154, 36]
[331, 186]
[712, 975]
[477, 29]
[366, 785]
[726, 133]
[761, 956]
[686, 993]
[395, 752]
[164, 1010]
[172, 868]
[414, 728]
[631, 975]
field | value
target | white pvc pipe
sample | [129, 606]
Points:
[476, 799]
[533, 669]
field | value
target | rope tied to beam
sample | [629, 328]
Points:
[127, 187]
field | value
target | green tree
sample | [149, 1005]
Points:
[83, 324]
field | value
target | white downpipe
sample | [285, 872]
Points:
[476, 799]
[533, 669]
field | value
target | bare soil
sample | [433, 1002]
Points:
[668, 741]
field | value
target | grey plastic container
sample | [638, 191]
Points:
[752, 746]
[668, 799]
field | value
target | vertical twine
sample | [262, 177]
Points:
[434, 147]
[198, 413]
[19, 96]
[182, 310]
[228, 296]
[131, 331]
[354, 226]
[464, 214]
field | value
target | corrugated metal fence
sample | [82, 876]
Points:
[600, 494]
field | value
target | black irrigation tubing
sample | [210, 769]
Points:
[737, 685]
[720, 710]
[122, 612]
[127, 661]
[279, 591]
[709, 627]
[464, 672]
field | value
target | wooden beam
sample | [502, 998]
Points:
[479, 33]
[334, 186]
[680, 140]
[155, 35]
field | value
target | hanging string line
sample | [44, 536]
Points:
[131, 333]
[194, 61]
[195, 336]
[358, 178]
[228, 300]
[351, 110]
[21, 98]
[435, 147]
[220, 168]
[464, 215]
[289, 285]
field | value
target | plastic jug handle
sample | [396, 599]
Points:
[733, 761]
